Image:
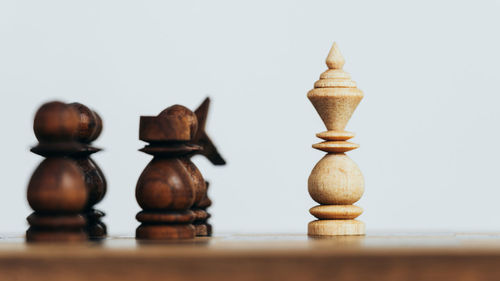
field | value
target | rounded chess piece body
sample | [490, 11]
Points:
[336, 180]
[165, 184]
[57, 186]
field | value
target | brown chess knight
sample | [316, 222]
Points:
[336, 181]
[68, 183]
[171, 190]
[203, 228]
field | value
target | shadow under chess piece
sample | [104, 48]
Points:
[336, 181]
[67, 184]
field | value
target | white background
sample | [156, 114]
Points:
[428, 125]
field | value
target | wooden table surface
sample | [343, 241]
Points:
[419, 256]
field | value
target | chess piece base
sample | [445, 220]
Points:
[209, 229]
[56, 228]
[203, 229]
[44, 235]
[97, 230]
[165, 232]
[335, 227]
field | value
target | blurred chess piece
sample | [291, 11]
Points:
[336, 181]
[170, 184]
[68, 183]
[208, 149]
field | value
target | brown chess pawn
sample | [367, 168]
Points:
[203, 228]
[170, 184]
[66, 185]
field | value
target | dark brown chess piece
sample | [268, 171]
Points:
[203, 228]
[170, 184]
[67, 184]
[171, 190]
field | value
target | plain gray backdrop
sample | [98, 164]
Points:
[428, 125]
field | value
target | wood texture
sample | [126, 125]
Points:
[336, 179]
[410, 257]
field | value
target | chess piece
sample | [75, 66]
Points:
[170, 184]
[203, 228]
[67, 184]
[336, 181]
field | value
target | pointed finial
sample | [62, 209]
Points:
[335, 60]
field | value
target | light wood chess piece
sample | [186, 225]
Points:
[336, 181]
